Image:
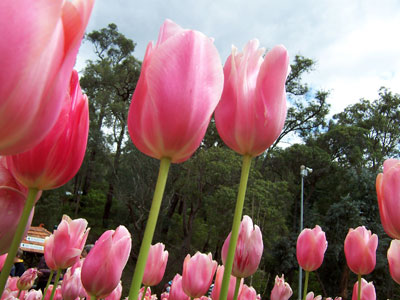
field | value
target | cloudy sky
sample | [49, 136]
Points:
[356, 44]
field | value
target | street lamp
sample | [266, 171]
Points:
[304, 171]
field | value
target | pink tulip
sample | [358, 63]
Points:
[311, 247]
[57, 294]
[64, 247]
[147, 296]
[197, 275]
[252, 110]
[72, 287]
[218, 282]
[281, 289]
[247, 293]
[249, 249]
[179, 87]
[360, 250]
[393, 256]
[12, 202]
[367, 290]
[58, 157]
[34, 295]
[2, 260]
[115, 294]
[12, 283]
[27, 279]
[176, 291]
[310, 296]
[10, 295]
[165, 296]
[38, 47]
[155, 265]
[388, 191]
[103, 266]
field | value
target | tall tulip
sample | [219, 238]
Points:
[197, 275]
[281, 289]
[103, 266]
[179, 87]
[250, 115]
[155, 265]
[393, 256]
[367, 291]
[39, 41]
[232, 285]
[176, 291]
[249, 249]
[388, 191]
[58, 157]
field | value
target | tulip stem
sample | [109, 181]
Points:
[53, 292]
[144, 292]
[235, 226]
[237, 286]
[359, 287]
[48, 282]
[19, 293]
[19, 232]
[306, 285]
[150, 227]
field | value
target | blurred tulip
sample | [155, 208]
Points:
[165, 296]
[252, 110]
[147, 296]
[72, 287]
[179, 87]
[155, 265]
[388, 191]
[43, 38]
[2, 260]
[218, 282]
[310, 296]
[64, 247]
[25, 282]
[10, 295]
[310, 248]
[102, 268]
[12, 202]
[198, 273]
[34, 295]
[249, 249]
[247, 293]
[367, 290]
[57, 293]
[393, 256]
[115, 294]
[58, 157]
[360, 250]
[281, 289]
[12, 283]
[176, 291]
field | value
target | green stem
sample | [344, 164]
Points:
[53, 292]
[19, 293]
[235, 226]
[19, 232]
[237, 286]
[359, 287]
[306, 285]
[150, 227]
[144, 292]
[48, 283]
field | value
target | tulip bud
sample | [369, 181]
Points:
[72, 287]
[247, 293]
[393, 256]
[27, 279]
[281, 289]
[311, 247]
[176, 291]
[198, 273]
[102, 268]
[249, 249]
[155, 265]
[367, 291]
[360, 250]
[218, 283]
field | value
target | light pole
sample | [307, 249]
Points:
[303, 173]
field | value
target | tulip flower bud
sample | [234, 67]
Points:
[281, 289]
[155, 265]
[311, 247]
[249, 249]
[218, 283]
[176, 291]
[393, 256]
[102, 268]
[72, 287]
[198, 273]
[367, 291]
[310, 296]
[247, 293]
[360, 250]
[388, 191]
[179, 87]
[27, 279]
